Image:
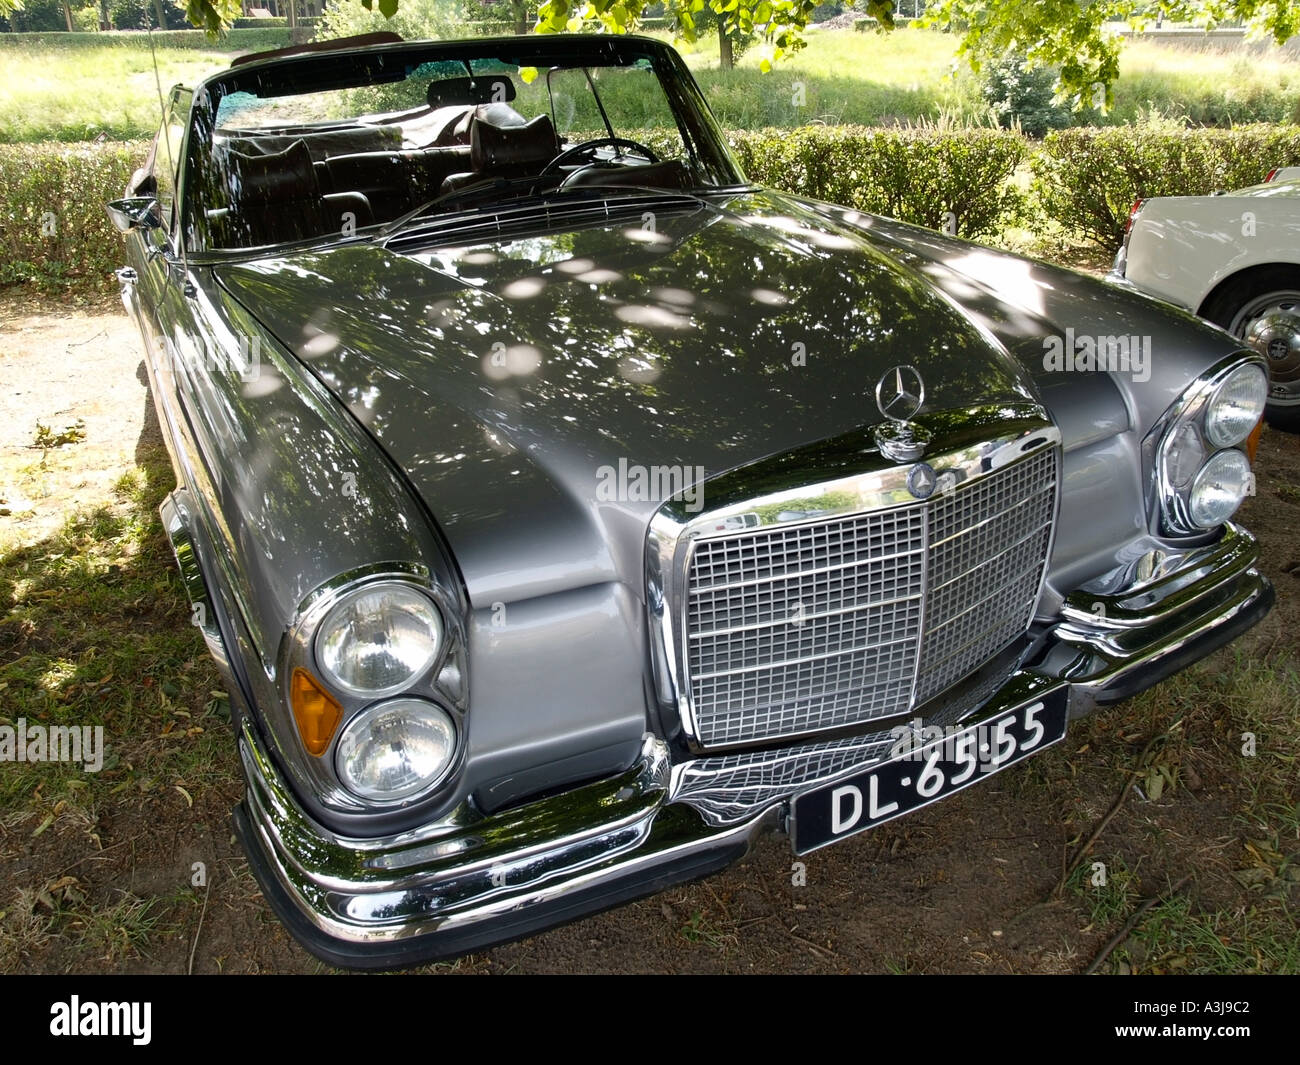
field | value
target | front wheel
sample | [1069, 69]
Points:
[1263, 309]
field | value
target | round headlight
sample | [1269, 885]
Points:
[395, 750]
[1235, 407]
[1219, 489]
[379, 639]
[1183, 456]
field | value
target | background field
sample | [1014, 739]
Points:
[78, 86]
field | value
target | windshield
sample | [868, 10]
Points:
[329, 146]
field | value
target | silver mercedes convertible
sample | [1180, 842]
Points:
[563, 510]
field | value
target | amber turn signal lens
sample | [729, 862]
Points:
[1252, 441]
[315, 711]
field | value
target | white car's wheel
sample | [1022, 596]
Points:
[1263, 309]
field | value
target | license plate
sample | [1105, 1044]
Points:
[934, 768]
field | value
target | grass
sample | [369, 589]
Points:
[55, 93]
[55, 89]
[94, 632]
[1201, 717]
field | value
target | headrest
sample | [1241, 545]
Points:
[487, 88]
[492, 145]
[257, 178]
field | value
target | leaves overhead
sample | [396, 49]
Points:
[1074, 38]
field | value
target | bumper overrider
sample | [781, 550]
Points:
[470, 882]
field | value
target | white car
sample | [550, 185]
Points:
[1232, 258]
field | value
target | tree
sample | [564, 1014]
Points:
[1064, 34]
[1069, 36]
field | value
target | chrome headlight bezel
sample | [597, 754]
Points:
[443, 681]
[1183, 423]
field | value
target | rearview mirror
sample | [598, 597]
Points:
[138, 212]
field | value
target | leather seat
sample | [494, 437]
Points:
[500, 146]
[273, 198]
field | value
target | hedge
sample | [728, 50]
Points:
[54, 233]
[959, 180]
[256, 38]
[1086, 179]
[53, 228]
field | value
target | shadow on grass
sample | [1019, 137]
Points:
[94, 630]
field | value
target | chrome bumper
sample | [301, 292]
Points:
[470, 881]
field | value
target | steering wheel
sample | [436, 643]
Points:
[588, 148]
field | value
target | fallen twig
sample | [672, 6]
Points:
[207, 889]
[1082, 852]
[1132, 923]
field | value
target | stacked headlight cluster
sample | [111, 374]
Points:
[370, 658]
[1204, 471]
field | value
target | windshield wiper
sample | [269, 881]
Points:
[499, 184]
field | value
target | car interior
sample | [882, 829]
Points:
[299, 182]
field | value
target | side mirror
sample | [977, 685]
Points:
[138, 212]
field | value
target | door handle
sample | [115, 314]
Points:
[127, 275]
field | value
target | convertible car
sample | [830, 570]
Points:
[563, 510]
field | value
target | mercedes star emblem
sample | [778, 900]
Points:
[900, 394]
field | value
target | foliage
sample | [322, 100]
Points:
[1022, 96]
[1069, 37]
[1087, 179]
[38, 15]
[416, 20]
[961, 180]
[143, 14]
[53, 228]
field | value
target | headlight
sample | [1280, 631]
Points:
[1219, 489]
[395, 750]
[379, 639]
[1236, 406]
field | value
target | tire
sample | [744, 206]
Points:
[1245, 300]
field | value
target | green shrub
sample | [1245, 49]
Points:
[1023, 97]
[927, 176]
[36, 16]
[1087, 179]
[53, 229]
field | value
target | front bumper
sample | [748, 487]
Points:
[470, 882]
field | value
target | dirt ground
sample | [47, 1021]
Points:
[963, 886]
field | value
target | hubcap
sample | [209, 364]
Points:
[1271, 325]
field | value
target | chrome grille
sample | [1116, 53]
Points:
[726, 788]
[803, 628]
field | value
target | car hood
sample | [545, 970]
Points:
[521, 382]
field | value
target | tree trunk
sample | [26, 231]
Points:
[67, 16]
[521, 18]
[724, 48]
[160, 13]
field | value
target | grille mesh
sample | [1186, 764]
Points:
[814, 626]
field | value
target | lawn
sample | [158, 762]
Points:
[56, 89]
